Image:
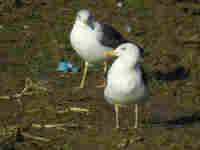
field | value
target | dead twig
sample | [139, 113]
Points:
[12, 131]
[57, 126]
[74, 109]
[35, 137]
[30, 88]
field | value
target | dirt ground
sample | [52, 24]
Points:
[41, 109]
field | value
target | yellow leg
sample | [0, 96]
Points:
[136, 116]
[84, 75]
[105, 67]
[105, 71]
[117, 115]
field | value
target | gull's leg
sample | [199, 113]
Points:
[105, 71]
[84, 75]
[136, 116]
[117, 115]
[105, 67]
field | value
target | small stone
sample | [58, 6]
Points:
[136, 139]
[132, 141]
[123, 144]
[197, 100]
[26, 26]
[128, 28]
[61, 46]
[119, 4]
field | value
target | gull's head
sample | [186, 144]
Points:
[85, 18]
[125, 50]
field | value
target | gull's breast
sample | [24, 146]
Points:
[86, 45]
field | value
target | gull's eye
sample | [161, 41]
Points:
[79, 16]
[123, 48]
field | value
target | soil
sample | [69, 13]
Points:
[53, 114]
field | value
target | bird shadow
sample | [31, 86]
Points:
[180, 122]
[180, 73]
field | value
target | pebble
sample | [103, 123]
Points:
[128, 28]
[123, 144]
[26, 27]
[119, 4]
[1, 27]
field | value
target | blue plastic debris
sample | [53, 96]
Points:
[66, 66]
[62, 66]
[73, 69]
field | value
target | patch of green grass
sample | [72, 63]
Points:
[13, 27]
[133, 28]
[144, 12]
[42, 62]
[13, 68]
[138, 5]
[148, 52]
[124, 11]
[35, 17]
[147, 122]
[196, 11]
[76, 5]
[28, 43]
[67, 147]
[154, 83]
[60, 33]
[139, 39]
[17, 52]
[20, 50]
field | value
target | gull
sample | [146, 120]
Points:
[90, 39]
[125, 80]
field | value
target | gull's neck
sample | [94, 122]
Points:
[125, 64]
[80, 25]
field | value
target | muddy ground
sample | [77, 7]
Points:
[51, 114]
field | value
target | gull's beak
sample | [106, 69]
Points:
[110, 53]
[85, 21]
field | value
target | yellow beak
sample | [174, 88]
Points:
[110, 53]
[85, 22]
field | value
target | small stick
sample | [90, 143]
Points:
[74, 109]
[47, 125]
[5, 97]
[35, 137]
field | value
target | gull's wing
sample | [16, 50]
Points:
[111, 37]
